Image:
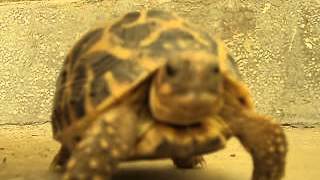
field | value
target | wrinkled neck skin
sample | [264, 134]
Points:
[166, 109]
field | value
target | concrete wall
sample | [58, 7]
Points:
[276, 44]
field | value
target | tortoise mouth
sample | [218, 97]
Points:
[192, 103]
[185, 127]
[184, 108]
[193, 98]
[193, 109]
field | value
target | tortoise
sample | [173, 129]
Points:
[150, 86]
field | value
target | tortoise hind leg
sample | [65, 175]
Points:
[188, 163]
[105, 143]
[264, 140]
[60, 160]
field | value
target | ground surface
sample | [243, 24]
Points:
[26, 151]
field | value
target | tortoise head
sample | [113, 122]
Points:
[187, 88]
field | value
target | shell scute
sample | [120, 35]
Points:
[85, 43]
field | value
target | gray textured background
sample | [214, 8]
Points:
[276, 44]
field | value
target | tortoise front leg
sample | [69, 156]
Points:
[263, 139]
[104, 144]
[188, 163]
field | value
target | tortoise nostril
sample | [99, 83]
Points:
[242, 100]
[170, 70]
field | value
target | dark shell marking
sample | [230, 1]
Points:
[160, 15]
[127, 19]
[77, 99]
[99, 90]
[85, 43]
[132, 36]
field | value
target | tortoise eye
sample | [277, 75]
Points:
[216, 69]
[170, 70]
[242, 100]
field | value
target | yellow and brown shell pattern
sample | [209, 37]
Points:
[107, 63]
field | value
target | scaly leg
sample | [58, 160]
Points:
[264, 140]
[104, 144]
[188, 163]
